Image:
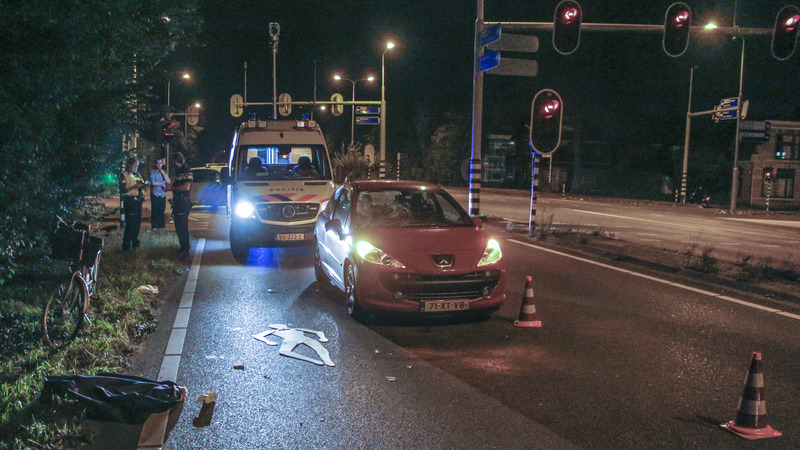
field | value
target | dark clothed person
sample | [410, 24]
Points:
[181, 203]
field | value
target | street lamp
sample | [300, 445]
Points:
[184, 75]
[389, 46]
[353, 107]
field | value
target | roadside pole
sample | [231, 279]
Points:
[534, 184]
[477, 121]
[685, 172]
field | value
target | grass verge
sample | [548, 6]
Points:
[121, 318]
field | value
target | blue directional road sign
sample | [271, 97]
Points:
[727, 115]
[368, 109]
[368, 120]
[729, 102]
[489, 60]
[490, 34]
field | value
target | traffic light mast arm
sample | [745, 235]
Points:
[630, 27]
[713, 111]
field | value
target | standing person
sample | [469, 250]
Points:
[181, 203]
[158, 195]
[131, 187]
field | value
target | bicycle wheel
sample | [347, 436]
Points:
[89, 274]
[64, 311]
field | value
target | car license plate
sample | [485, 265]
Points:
[290, 237]
[444, 305]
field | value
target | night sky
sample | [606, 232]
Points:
[621, 86]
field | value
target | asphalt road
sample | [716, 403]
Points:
[670, 226]
[622, 361]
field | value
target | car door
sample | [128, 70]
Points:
[323, 238]
[338, 241]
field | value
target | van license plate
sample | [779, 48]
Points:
[290, 237]
[444, 305]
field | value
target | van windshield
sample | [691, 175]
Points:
[283, 162]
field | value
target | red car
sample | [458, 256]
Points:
[406, 247]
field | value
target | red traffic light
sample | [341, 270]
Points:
[677, 23]
[550, 108]
[546, 119]
[567, 27]
[784, 35]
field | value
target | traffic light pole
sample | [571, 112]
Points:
[477, 121]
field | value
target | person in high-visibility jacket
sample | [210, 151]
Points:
[130, 187]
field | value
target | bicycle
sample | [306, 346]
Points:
[67, 306]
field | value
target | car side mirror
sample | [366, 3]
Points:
[334, 225]
[225, 179]
[478, 222]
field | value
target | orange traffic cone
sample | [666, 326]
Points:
[527, 314]
[751, 417]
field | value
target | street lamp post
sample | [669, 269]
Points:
[185, 76]
[685, 172]
[389, 46]
[735, 181]
[353, 107]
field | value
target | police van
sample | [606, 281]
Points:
[279, 179]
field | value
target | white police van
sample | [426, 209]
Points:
[279, 179]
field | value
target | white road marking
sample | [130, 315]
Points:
[650, 240]
[783, 223]
[154, 430]
[660, 280]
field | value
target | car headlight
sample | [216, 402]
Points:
[492, 254]
[245, 210]
[375, 255]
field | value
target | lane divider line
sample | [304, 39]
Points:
[154, 429]
[663, 281]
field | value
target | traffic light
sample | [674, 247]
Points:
[677, 23]
[547, 111]
[784, 35]
[168, 128]
[567, 27]
[768, 175]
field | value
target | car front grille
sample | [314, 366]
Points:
[442, 287]
[287, 212]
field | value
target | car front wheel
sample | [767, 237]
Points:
[354, 309]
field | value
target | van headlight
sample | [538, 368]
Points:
[245, 210]
[492, 254]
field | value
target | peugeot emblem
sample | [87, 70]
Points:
[288, 211]
[442, 260]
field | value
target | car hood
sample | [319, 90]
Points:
[417, 248]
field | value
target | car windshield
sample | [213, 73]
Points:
[205, 176]
[284, 162]
[390, 208]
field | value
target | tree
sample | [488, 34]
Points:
[447, 146]
[77, 77]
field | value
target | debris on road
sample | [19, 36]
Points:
[239, 366]
[209, 400]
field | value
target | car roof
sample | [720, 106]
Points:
[371, 185]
